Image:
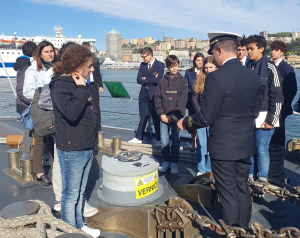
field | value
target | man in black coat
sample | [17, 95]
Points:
[229, 105]
[95, 83]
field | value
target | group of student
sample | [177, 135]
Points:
[73, 77]
[220, 121]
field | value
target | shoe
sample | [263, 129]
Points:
[44, 181]
[57, 206]
[198, 174]
[90, 231]
[174, 168]
[89, 211]
[164, 166]
[135, 140]
[158, 143]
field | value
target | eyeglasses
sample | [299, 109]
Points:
[144, 56]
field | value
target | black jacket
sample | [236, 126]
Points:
[97, 74]
[272, 98]
[196, 101]
[229, 105]
[21, 66]
[289, 87]
[171, 96]
[75, 114]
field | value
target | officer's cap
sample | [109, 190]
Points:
[217, 36]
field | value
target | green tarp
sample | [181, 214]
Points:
[116, 89]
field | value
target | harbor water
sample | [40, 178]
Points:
[117, 112]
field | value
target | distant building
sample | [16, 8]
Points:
[114, 45]
[141, 41]
[101, 52]
[191, 44]
[180, 44]
[134, 41]
[127, 57]
[148, 40]
[179, 53]
[159, 55]
[125, 42]
[264, 34]
[294, 59]
[165, 45]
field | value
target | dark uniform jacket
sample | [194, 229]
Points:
[289, 87]
[96, 73]
[171, 96]
[75, 114]
[150, 82]
[230, 103]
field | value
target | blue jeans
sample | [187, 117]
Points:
[203, 159]
[261, 157]
[172, 156]
[75, 167]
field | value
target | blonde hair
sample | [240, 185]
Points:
[198, 86]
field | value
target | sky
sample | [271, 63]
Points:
[139, 19]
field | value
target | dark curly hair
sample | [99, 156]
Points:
[242, 42]
[260, 41]
[64, 47]
[74, 57]
[28, 48]
[278, 45]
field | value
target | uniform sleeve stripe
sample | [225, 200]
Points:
[277, 113]
[276, 78]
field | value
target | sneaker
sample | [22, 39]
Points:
[135, 140]
[89, 211]
[164, 166]
[198, 174]
[174, 168]
[57, 206]
[90, 231]
[44, 181]
[158, 143]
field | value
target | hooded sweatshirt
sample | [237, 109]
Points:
[75, 114]
[171, 96]
[21, 65]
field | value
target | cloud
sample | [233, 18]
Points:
[240, 16]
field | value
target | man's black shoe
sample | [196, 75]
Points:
[44, 181]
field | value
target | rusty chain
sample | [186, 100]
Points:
[173, 215]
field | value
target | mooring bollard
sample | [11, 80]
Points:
[27, 168]
[13, 159]
[116, 144]
[296, 146]
[101, 135]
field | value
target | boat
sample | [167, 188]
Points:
[10, 47]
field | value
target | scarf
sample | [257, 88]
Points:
[261, 68]
[47, 64]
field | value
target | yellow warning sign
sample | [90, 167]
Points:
[140, 183]
[146, 185]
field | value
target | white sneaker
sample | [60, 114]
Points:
[198, 174]
[89, 211]
[164, 166]
[158, 143]
[57, 206]
[91, 231]
[174, 168]
[135, 140]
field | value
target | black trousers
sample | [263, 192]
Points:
[95, 94]
[145, 107]
[278, 137]
[233, 190]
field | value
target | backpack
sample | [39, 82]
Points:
[43, 120]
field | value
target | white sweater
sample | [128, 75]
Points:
[33, 79]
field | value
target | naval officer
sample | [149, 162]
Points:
[229, 105]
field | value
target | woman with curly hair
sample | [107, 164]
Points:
[76, 130]
[203, 159]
